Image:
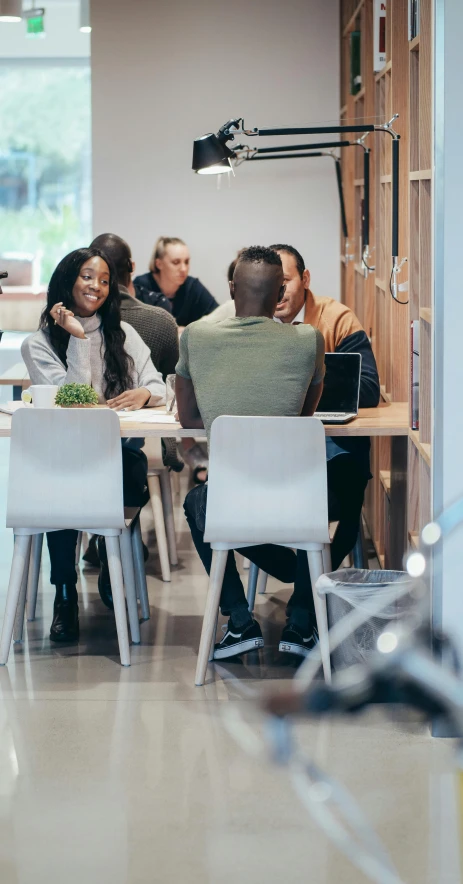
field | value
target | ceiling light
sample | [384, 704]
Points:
[85, 25]
[10, 10]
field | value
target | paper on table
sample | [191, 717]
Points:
[11, 407]
[147, 416]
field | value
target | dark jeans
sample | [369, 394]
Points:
[346, 490]
[62, 544]
[346, 487]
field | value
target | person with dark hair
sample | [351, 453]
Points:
[348, 456]
[227, 309]
[259, 367]
[154, 325]
[82, 340]
[168, 276]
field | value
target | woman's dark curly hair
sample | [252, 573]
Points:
[118, 363]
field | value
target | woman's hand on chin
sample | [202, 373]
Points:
[131, 399]
[66, 319]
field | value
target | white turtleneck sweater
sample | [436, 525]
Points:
[85, 358]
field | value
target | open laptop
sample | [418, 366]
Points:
[340, 398]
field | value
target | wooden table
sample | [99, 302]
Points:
[17, 377]
[389, 419]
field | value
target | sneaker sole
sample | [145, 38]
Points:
[289, 648]
[242, 648]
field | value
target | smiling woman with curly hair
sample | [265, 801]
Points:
[82, 340]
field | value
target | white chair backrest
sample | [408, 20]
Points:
[267, 481]
[65, 469]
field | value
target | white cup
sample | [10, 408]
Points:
[43, 395]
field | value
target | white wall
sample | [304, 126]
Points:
[165, 72]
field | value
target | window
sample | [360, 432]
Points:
[45, 161]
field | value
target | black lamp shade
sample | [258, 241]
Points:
[210, 156]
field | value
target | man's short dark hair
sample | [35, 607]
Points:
[259, 255]
[290, 250]
[119, 252]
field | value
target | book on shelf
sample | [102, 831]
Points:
[355, 63]
[415, 374]
[413, 19]
[379, 35]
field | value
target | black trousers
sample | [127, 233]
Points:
[346, 488]
[62, 544]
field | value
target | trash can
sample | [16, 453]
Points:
[351, 588]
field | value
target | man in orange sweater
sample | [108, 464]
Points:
[348, 456]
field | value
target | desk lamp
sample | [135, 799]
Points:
[211, 155]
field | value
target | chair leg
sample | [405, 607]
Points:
[219, 560]
[316, 567]
[214, 633]
[262, 582]
[34, 575]
[175, 482]
[154, 486]
[168, 509]
[18, 629]
[359, 552]
[78, 547]
[252, 584]
[140, 574]
[20, 559]
[117, 586]
[129, 583]
[326, 558]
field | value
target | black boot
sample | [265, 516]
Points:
[91, 556]
[65, 626]
[104, 581]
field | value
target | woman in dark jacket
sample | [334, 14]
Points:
[168, 285]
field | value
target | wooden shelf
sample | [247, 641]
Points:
[342, 259]
[386, 396]
[385, 479]
[351, 23]
[343, 111]
[423, 448]
[403, 86]
[387, 67]
[426, 314]
[421, 175]
[414, 539]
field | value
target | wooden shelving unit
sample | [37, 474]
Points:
[420, 270]
[403, 86]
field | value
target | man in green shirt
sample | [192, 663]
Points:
[250, 365]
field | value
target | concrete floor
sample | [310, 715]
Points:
[127, 776]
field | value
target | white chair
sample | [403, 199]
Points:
[161, 504]
[267, 484]
[66, 472]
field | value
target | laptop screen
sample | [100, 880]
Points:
[342, 382]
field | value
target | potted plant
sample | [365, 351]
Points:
[76, 396]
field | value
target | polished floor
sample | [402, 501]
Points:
[127, 776]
